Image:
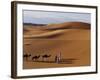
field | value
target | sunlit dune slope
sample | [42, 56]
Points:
[53, 30]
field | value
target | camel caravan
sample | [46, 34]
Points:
[44, 57]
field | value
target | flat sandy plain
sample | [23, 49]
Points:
[71, 39]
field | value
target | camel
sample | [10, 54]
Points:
[45, 56]
[26, 56]
[35, 57]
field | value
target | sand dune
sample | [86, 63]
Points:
[57, 29]
[47, 34]
[68, 25]
[72, 39]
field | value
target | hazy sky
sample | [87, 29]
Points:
[47, 17]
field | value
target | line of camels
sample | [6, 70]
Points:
[45, 57]
[36, 57]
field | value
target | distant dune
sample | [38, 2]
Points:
[57, 29]
[69, 25]
[72, 39]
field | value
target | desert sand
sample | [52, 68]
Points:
[71, 39]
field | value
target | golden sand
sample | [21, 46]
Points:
[71, 39]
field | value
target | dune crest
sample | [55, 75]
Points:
[69, 25]
[47, 34]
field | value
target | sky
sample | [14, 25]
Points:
[50, 17]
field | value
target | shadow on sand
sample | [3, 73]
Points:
[62, 61]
